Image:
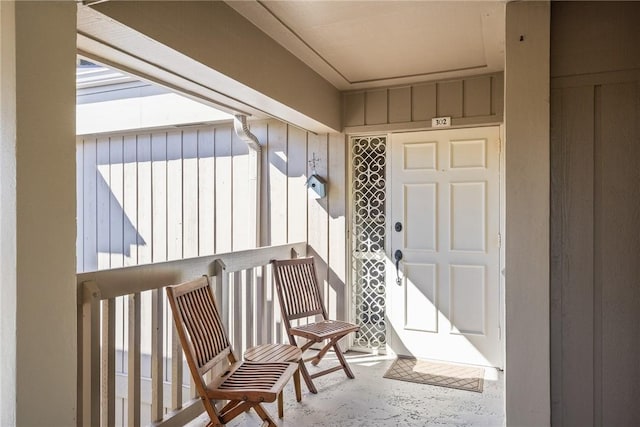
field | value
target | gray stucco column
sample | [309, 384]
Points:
[527, 214]
[37, 214]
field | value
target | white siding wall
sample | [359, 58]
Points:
[168, 194]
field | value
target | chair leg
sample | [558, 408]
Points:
[280, 405]
[264, 416]
[296, 383]
[343, 361]
[211, 410]
[307, 377]
[214, 422]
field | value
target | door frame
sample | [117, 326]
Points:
[349, 238]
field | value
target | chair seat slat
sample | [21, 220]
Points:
[324, 329]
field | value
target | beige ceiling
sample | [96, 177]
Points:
[364, 44]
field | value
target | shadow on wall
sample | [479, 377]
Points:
[125, 234]
[333, 285]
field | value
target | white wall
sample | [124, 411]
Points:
[527, 214]
[37, 219]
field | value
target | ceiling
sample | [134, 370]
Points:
[367, 44]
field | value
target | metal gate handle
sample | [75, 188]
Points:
[398, 256]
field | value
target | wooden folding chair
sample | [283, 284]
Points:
[207, 349]
[299, 295]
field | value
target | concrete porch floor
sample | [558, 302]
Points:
[370, 400]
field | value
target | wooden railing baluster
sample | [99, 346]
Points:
[90, 357]
[133, 374]
[176, 370]
[109, 362]
[157, 355]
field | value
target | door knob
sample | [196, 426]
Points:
[398, 256]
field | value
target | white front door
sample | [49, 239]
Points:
[444, 219]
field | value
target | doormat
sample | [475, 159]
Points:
[468, 378]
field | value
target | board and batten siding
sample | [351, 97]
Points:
[595, 214]
[159, 195]
[595, 275]
[469, 101]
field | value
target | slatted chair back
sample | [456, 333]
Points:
[199, 327]
[297, 287]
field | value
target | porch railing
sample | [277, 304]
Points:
[118, 307]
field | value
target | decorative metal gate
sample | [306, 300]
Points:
[368, 228]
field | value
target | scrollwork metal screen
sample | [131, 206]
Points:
[368, 238]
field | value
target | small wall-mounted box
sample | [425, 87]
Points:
[318, 186]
